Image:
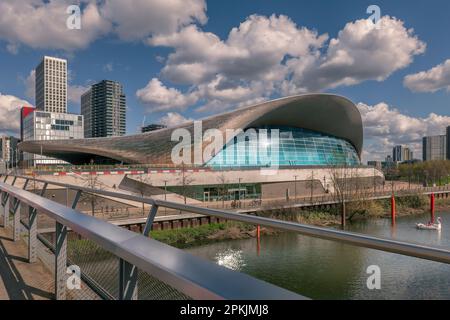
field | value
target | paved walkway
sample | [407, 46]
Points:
[20, 280]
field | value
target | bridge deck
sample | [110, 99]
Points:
[20, 280]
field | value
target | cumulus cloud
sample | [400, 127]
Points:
[435, 79]
[269, 56]
[385, 126]
[138, 19]
[159, 98]
[360, 52]
[173, 119]
[41, 24]
[10, 113]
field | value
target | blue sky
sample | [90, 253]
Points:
[107, 48]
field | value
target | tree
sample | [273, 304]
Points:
[92, 183]
[223, 180]
[185, 181]
[142, 186]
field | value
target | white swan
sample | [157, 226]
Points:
[430, 226]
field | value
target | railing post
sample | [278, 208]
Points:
[2, 209]
[127, 281]
[6, 216]
[150, 219]
[60, 261]
[16, 220]
[32, 235]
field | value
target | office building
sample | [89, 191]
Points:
[434, 148]
[51, 85]
[448, 142]
[401, 154]
[46, 126]
[9, 152]
[104, 110]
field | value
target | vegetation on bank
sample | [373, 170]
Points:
[187, 237]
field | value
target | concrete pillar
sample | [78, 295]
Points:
[186, 223]
[195, 222]
[176, 224]
[156, 226]
[166, 225]
[204, 221]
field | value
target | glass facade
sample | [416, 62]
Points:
[295, 146]
[40, 125]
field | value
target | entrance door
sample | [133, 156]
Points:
[206, 196]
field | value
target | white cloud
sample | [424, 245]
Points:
[10, 113]
[385, 127]
[42, 24]
[266, 56]
[360, 52]
[435, 79]
[138, 19]
[158, 97]
[173, 119]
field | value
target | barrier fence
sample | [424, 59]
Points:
[116, 263]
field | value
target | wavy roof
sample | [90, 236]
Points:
[330, 114]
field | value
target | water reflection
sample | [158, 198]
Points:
[231, 259]
[322, 269]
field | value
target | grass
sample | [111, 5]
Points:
[187, 237]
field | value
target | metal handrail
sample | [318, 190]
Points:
[388, 245]
[195, 277]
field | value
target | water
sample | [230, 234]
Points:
[322, 269]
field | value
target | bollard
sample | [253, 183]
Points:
[393, 210]
[432, 207]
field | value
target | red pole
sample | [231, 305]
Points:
[393, 210]
[432, 207]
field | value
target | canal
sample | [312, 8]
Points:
[322, 269]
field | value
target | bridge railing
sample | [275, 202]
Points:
[387, 245]
[119, 264]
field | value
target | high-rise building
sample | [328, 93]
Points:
[86, 111]
[9, 152]
[41, 125]
[51, 85]
[104, 109]
[434, 148]
[448, 142]
[401, 154]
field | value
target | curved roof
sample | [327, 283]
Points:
[330, 114]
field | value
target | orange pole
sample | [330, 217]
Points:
[258, 232]
[432, 207]
[393, 210]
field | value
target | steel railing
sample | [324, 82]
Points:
[192, 276]
[387, 245]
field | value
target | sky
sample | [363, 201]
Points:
[187, 59]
